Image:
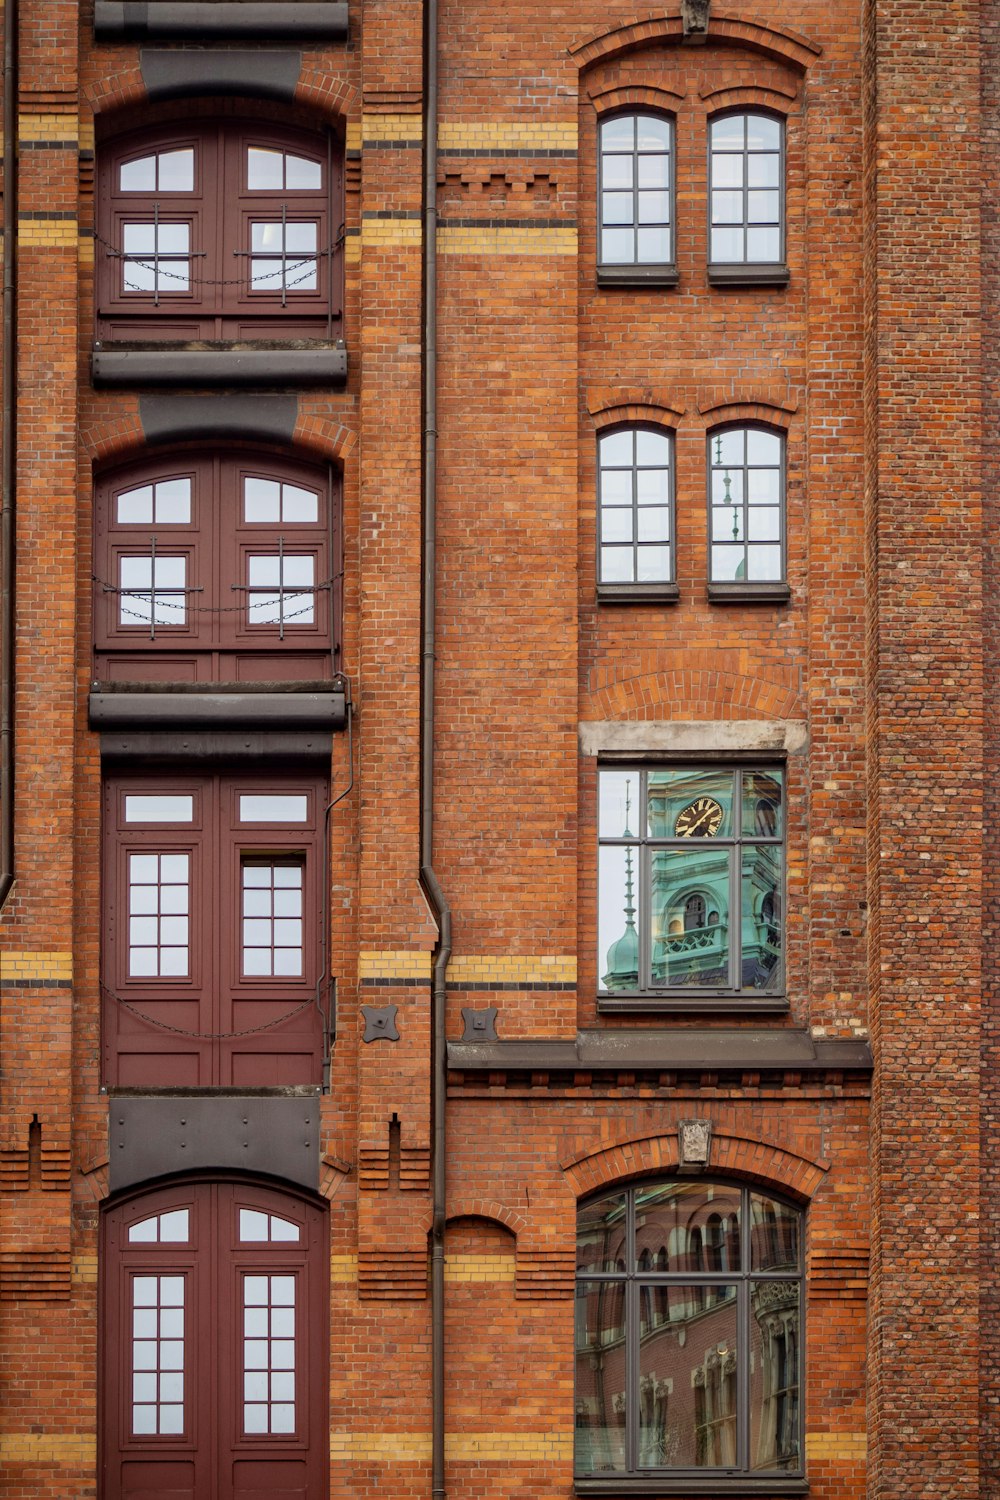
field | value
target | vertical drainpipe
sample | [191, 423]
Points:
[430, 881]
[8, 447]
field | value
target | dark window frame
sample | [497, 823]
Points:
[762, 591]
[214, 996]
[645, 1289]
[220, 305]
[645, 996]
[216, 635]
[664, 590]
[748, 272]
[635, 272]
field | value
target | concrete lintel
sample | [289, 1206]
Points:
[759, 736]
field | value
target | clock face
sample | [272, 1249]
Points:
[700, 819]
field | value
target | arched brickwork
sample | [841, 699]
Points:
[774, 98]
[652, 693]
[731, 1156]
[605, 99]
[788, 46]
[480, 1208]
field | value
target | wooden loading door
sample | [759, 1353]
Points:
[214, 1356]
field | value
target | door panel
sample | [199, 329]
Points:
[214, 1362]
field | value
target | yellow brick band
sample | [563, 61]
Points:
[459, 1447]
[507, 135]
[48, 127]
[840, 1447]
[390, 128]
[85, 246]
[476, 1269]
[389, 963]
[517, 969]
[36, 965]
[84, 1268]
[50, 232]
[87, 134]
[475, 241]
[352, 250]
[343, 1268]
[385, 233]
[64, 1448]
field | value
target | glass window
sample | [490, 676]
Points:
[635, 506]
[746, 190]
[636, 191]
[687, 1361]
[746, 506]
[690, 871]
[223, 229]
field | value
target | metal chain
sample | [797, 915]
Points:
[211, 609]
[209, 1036]
[189, 280]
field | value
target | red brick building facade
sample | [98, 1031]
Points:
[496, 750]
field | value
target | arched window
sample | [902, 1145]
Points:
[729, 1337]
[220, 229]
[746, 506]
[746, 191]
[636, 191]
[220, 566]
[214, 1346]
[635, 509]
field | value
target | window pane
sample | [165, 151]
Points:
[618, 171]
[275, 808]
[653, 246]
[688, 1381]
[762, 804]
[138, 176]
[727, 526]
[135, 507]
[653, 564]
[618, 942]
[727, 208]
[600, 1235]
[654, 526]
[156, 1394]
[600, 1377]
[618, 796]
[764, 524]
[173, 502]
[685, 803]
[617, 246]
[264, 169]
[616, 524]
[618, 134]
[298, 504]
[763, 447]
[728, 133]
[618, 208]
[653, 208]
[302, 175]
[616, 448]
[774, 1235]
[261, 500]
[727, 171]
[763, 133]
[253, 1225]
[689, 897]
[617, 565]
[775, 1342]
[653, 172]
[652, 133]
[687, 1227]
[176, 171]
[764, 564]
[762, 207]
[763, 171]
[159, 809]
[727, 245]
[764, 245]
[761, 912]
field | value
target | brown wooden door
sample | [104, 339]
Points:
[214, 1345]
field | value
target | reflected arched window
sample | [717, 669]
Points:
[730, 1290]
[214, 560]
[219, 229]
[214, 1349]
[746, 508]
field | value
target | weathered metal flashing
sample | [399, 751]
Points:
[262, 419]
[196, 745]
[322, 365]
[325, 710]
[205, 20]
[153, 1137]
[179, 73]
[686, 1049]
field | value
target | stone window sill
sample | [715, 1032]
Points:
[745, 274]
[748, 593]
[751, 1484]
[687, 1004]
[638, 593]
[638, 276]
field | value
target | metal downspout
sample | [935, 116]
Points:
[8, 448]
[430, 881]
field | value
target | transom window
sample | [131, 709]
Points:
[226, 230]
[747, 505]
[214, 1344]
[635, 505]
[636, 191]
[688, 1333]
[211, 944]
[210, 560]
[746, 190]
[690, 881]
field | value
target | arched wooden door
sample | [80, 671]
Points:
[214, 1357]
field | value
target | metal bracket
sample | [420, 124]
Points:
[380, 1023]
[694, 17]
[480, 1025]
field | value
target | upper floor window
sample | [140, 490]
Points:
[636, 191]
[747, 506]
[687, 1363]
[690, 882]
[216, 567]
[223, 230]
[214, 1355]
[635, 506]
[746, 191]
[211, 939]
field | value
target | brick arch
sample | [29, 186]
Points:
[110, 437]
[770, 403]
[480, 1208]
[116, 437]
[663, 416]
[328, 97]
[651, 693]
[607, 404]
[605, 99]
[736, 1156]
[757, 36]
[774, 98]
